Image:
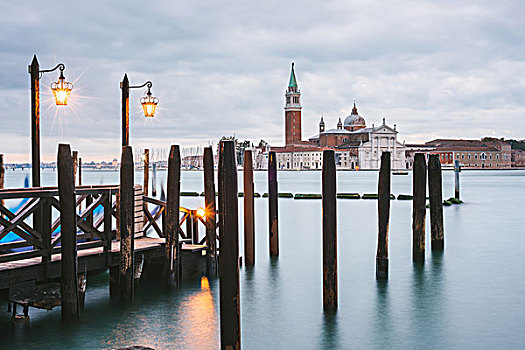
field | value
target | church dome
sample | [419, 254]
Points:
[354, 119]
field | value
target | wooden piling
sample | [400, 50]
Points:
[209, 201]
[127, 225]
[75, 165]
[383, 210]
[457, 170]
[220, 195]
[229, 249]
[80, 171]
[154, 180]
[68, 281]
[145, 187]
[329, 231]
[419, 190]
[249, 217]
[435, 192]
[273, 225]
[172, 277]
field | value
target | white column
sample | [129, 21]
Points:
[395, 154]
[378, 152]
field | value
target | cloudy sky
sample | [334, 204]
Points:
[434, 68]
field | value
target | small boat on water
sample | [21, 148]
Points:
[399, 172]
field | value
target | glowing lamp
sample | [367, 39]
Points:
[61, 90]
[149, 104]
[201, 212]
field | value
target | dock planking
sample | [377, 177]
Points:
[94, 258]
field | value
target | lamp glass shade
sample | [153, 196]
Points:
[149, 104]
[61, 90]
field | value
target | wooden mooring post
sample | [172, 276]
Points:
[249, 221]
[211, 224]
[127, 225]
[70, 310]
[220, 196]
[154, 180]
[273, 225]
[419, 192]
[383, 210]
[435, 192]
[75, 166]
[229, 252]
[172, 273]
[457, 170]
[329, 231]
[80, 171]
[145, 188]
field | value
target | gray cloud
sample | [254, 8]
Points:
[435, 68]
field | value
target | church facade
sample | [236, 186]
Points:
[356, 146]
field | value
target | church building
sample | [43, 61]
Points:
[356, 146]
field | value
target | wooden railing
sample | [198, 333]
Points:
[36, 222]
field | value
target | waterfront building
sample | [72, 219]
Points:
[474, 154]
[518, 158]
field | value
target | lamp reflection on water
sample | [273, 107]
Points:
[188, 317]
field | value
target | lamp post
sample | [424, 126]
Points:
[148, 102]
[61, 91]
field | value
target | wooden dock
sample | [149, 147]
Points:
[34, 257]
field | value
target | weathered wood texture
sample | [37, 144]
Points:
[68, 281]
[435, 192]
[209, 201]
[127, 225]
[249, 214]
[329, 231]
[80, 171]
[229, 258]
[75, 166]
[145, 187]
[220, 195]
[172, 277]
[383, 210]
[273, 225]
[124, 86]
[419, 191]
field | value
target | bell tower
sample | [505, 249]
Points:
[292, 111]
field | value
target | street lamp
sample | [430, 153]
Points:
[61, 91]
[148, 102]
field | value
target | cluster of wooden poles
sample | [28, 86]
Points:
[383, 206]
[228, 228]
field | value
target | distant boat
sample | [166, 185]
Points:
[399, 172]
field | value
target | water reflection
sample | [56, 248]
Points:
[382, 328]
[329, 338]
[200, 328]
[427, 302]
[188, 318]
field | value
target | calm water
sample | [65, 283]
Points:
[470, 297]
